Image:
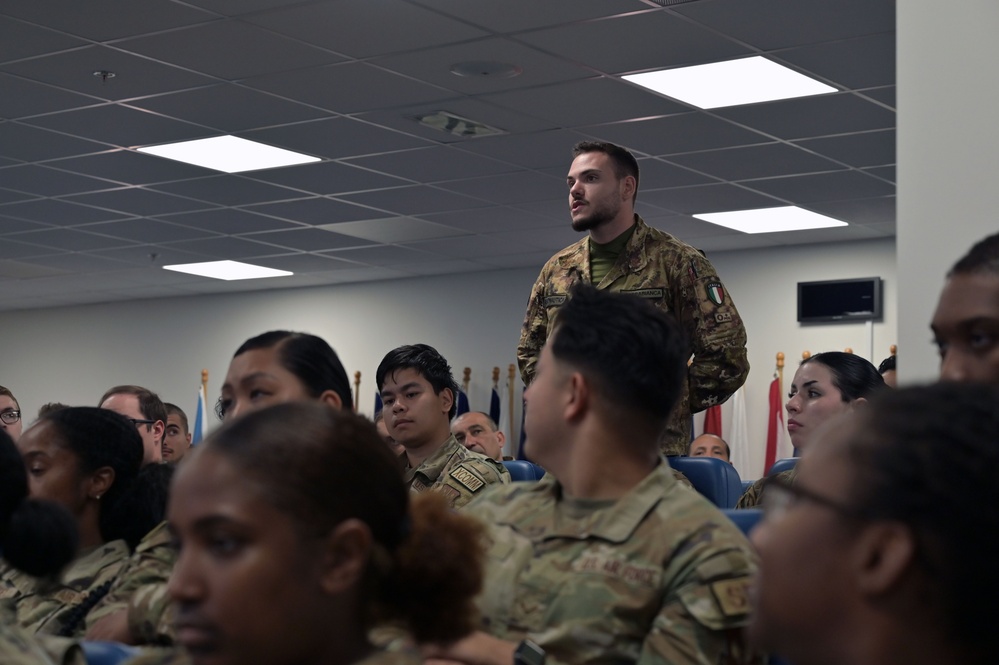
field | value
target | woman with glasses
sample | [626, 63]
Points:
[825, 385]
[884, 549]
[10, 414]
[297, 535]
[85, 459]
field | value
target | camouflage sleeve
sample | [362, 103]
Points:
[702, 618]
[150, 615]
[752, 496]
[17, 647]
[717, 336]
[534, 331]
[466, 480]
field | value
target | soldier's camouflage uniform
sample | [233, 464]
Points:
[44, 605]
[17, 647]
[456, 472]
[160, 656]
[141, 590]
[659, 576]
[753, 496]
[676, 278]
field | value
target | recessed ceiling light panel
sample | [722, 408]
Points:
[445, 121]
[771, 220]
[229, 154]
[227, 270]
[730, 83]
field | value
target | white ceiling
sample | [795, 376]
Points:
[84, 218]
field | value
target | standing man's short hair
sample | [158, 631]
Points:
[624, 162]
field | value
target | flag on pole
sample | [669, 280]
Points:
[200, 417]
[713, 420]
[738, 437]
[462, 403]
[777, 441]
[494, 407]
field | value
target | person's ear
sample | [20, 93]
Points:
[447, 399]
[159, 430]
[100, 482]
[628, 187]
[884, 552]
[346, 551]
[331, 399]
[578, 394]
[501, 437]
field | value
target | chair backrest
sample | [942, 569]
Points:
[785, 464]
[521, 469]
[107, 653]
[744, 518]
[715, 479]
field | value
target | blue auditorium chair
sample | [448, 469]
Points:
[785, 464]
[715, 479]
[107, 653]
[521, 469]
[744, 518]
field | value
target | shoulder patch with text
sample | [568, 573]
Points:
[468, 479]
[555, 301]
[716, 293]
[652, 294]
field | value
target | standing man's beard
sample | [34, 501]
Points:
[596, 217]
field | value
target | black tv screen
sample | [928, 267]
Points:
[840, 300]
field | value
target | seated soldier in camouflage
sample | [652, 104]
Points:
[418, 394]
[607, 559]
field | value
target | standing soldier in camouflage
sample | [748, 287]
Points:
[418, 397]
[607, 559]
[622, 253]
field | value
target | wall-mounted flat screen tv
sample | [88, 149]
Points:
[840, 300]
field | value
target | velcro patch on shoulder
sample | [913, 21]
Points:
[468, 479]
[732, 596]
[555, 301]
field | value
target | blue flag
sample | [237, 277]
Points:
[462, 403]
[378, 401]
[494, 407]
[200, 417]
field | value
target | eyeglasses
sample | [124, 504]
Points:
[779, 495]
[140, 421]
[10, 417]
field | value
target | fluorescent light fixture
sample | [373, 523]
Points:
[745, 81]
[229, 154]
[770, 220]
[445, 121]
[227, 270]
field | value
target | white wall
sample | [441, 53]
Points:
[73, 354]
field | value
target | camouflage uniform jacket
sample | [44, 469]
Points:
[46, 605]
[17, 647]
[141, 590]
[659, 576]
[677, 279]
[456, 472]
[753, 496]
[160, 656]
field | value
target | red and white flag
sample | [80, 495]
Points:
[778, 445]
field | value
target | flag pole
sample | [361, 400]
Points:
[512, 371]
[357, 390]
[780, 371]
[893, 350]
[204, 383]
[466, 378]
[495, 378]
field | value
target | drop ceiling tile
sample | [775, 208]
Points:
[70, 240]
[533, 151]
[883, 172]
[435, 65]
[44, 181]
[130, 168]
[230, 221]
[120, 126]
[394, 230]
[24, 40]
[9, 225]
[316, 211]
[406, 201]
[229, 108]
[508, 188]
[147, 231]
[709, 198]
[361, 29]
[656, 174]
[433, 164]
[154, 257]
[226, 247]
[228, 190]
[77, 262]
[774, 24]
[884, 95]
[518, 15]
[308, 240]
[860, 211]
[551, 239]
[685, 227]
[239, 7]
[336, 138]
[111, 19]
[865, 149]
[304, 263]
[655, 40]
[836, 186]
[385, 255]
[230, 50]
[12, 249]
[808, 117]
[327, 178]
[58, 212]
[589, 102]
[470, 247]
[134, 76]
[864, 62]
[10, 196]
[20, 98]
[28, 144]
[759, 161]
[676, 134]
[138, 201]
[349, 88]
[486, 220]
[17, 270]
